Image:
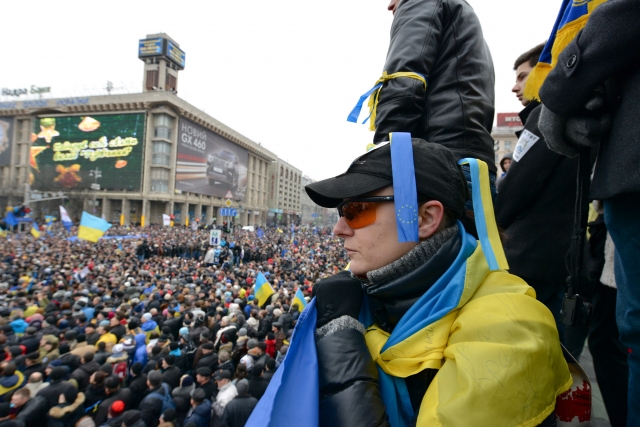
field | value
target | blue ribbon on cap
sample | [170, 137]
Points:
[404, 187]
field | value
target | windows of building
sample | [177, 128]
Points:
[159, 180]
[161, 153]
[163, 126]
[508, 145]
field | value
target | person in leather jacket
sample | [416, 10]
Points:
[442, 41]
[416, 332]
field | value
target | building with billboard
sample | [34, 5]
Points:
[313, 214]
[504, 135]
[131, 158]
[285, 186]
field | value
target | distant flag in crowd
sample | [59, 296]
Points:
[34, 230]
[10, 219]
[260, 233]
[263, 289]
[166, 220]
[92, 228]
[571, 20]
[3, 233]
[64, 217]
[48, 220]
[299, 299]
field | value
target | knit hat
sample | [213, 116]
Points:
[131, 417]
[112, 382]
[187, 381]
[117, 349]
[116, 408]
[184, 331]
[146, 317]
[170, 415]
[242, 332]
[252, 343]
[136, 368]
[198, 395]
[243, 387]
[70, 393]
[58, 373]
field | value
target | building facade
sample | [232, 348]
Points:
[504, 135]
[130, 159]
[285, 188]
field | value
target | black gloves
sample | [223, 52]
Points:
[337, 296]
[567, 136]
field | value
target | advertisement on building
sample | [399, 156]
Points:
[74, 152]
[509, 120]
[209, 164]
[6, 133]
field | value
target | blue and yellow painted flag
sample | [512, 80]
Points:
[571, 20]
[34, 230]
[299, 300]
[3, 233]
[263, 289]
[92, 228]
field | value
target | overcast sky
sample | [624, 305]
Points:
[285, 73]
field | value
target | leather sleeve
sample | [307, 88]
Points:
[606, 46]
[349, 394]
[414, 46]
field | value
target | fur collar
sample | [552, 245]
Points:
[61, 411]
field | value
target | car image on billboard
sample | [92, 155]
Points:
[209, 164]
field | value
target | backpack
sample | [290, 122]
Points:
[167, 401]
[121, 370]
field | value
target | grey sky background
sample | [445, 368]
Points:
[284, 73]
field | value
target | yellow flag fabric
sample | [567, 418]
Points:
[35, 233]
[497, 349]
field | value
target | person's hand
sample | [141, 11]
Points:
[567, 136]
[337, 296]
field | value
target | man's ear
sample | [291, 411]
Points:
[430, 215]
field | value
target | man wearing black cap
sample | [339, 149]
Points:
[200, 412]
[203, 378]
[412, 312]
[33, 365]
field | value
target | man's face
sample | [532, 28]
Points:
[18, 400]
[522, 72]
[201, 379]
[375, 245]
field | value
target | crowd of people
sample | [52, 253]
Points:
[155, 328]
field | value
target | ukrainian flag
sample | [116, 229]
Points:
[92, 228]
[34, 230]
[571, 20]
[299, 299]
[3, 233]
[263, 289]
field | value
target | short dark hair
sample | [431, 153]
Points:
[155, 378]
[532, 55]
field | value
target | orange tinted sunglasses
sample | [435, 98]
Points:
[360, 212]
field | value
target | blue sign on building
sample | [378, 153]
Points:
[228, 212]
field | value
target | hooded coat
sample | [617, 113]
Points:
[66, 414]
[141, 350]
[10, 383]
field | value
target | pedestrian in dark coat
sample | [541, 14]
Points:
[137, 384]
[171, 374]
[535, 207]
[56, 387]
[84, 372]
[604, 55]
[114, 393]
[151, 406]
[237, 412]
[200, 412]
[257, 384]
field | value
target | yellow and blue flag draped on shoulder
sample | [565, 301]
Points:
[34, 230]
[571, 19]
[92, 228]
[299, 300]
[374, 95]
[263, 289]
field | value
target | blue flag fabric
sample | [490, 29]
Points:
[10, 219]
[405, 192]
[296, 380]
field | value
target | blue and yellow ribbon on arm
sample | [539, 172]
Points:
[374, 94]
[484, 216]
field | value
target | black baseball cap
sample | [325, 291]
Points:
[222, 374]
[438, 177]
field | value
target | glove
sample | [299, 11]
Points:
[567, 136]
[337, 296]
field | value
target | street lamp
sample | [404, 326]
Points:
[95, 173]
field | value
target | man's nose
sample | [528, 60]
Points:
[342, 228]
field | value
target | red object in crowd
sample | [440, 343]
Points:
[271, 348]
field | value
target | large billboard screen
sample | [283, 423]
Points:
[209, 164]
[68, 152]
[6, 134]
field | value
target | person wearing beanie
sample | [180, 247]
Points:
[140, 355]
[200, 412]
[49, 349]
[114, 393]
[133, 418]
[137, 383]
[104, 330]
[169, 418]
[237, 412]
[151, 406]
[57, 385]
[149, 325]
[119, 361]
[116, 411]
[170, 373]
[11, 379]
[68, 410]
[87, 367]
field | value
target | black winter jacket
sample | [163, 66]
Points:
[102, 413]
[535, 207]
[238, 411]
[151, 407]
[83, 374]
[33, 412]
[441, 40]
[53, 391]
[603, 54]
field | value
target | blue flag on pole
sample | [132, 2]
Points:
[10, 219]
[296, 380]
